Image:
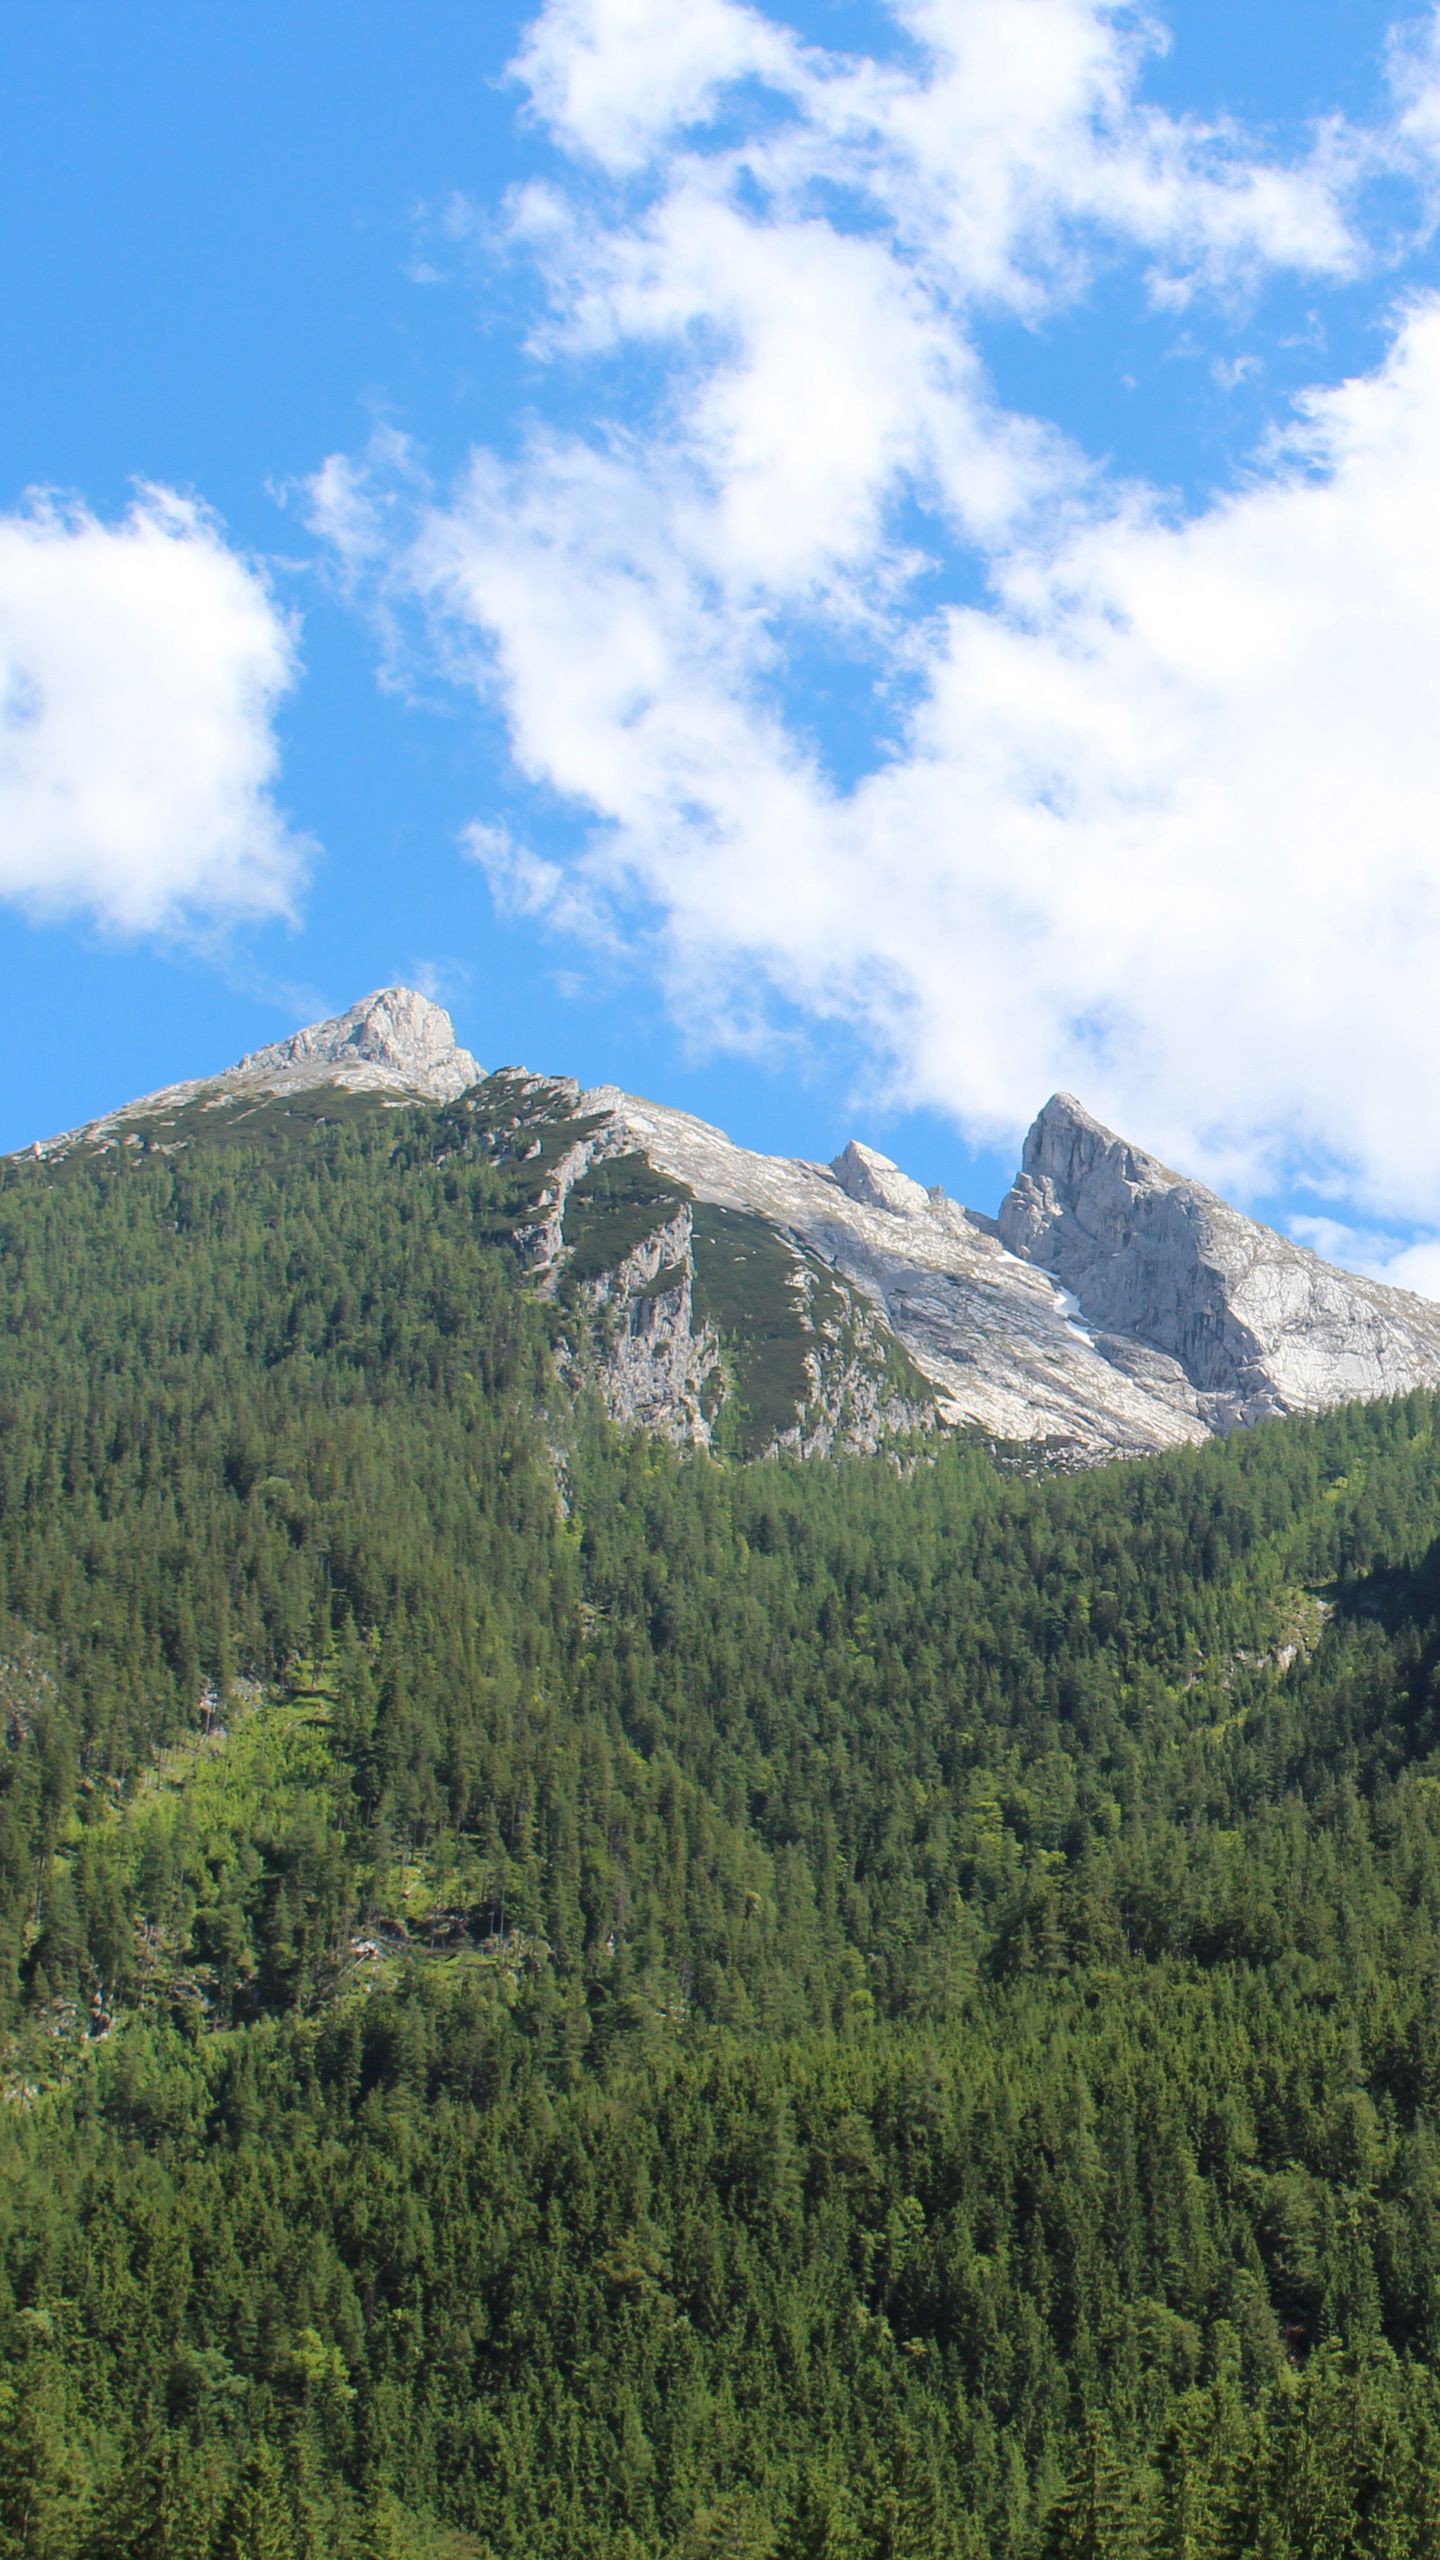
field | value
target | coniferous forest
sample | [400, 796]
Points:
[563, 1998]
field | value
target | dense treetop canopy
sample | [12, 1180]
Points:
[563, 1998]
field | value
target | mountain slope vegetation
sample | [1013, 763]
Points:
[563, 1997]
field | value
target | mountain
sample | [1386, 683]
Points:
[719, 1296]
[395, 1045]
[556, 1997]
[1156, 1264]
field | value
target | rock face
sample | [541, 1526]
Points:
[993, 1338]
[657, 1359]
[694, 1312]
[729, 1299]
[1256, 1324]
[394, 1039]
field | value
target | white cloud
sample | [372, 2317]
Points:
[1004, 123]
[141, 664]
[523, 883]
[1412, 1263]
[1159, 819]
[1414, 68]
[617, 76]
[813, 276]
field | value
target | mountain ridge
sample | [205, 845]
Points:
[393, 1041]
[1113, 1307]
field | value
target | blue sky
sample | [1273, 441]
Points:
[839, 565]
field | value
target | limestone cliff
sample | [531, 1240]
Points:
[995, 1338]
[692, 1315]
[1256, 1324]
[394, 1040]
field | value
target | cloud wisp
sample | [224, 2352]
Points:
[141, 666]
[1151, 807]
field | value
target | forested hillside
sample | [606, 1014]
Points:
[560, 1998]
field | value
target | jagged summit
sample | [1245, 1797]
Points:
[865, 1175]
[1066, 1144]
[395, 1031]
[1257, 1324]
[394, 1041]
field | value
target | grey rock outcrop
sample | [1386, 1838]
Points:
[656, 1358]
[637, 1316]
[873, 1182]
[999, 1343]
[1255, 1323]
[394, 1039]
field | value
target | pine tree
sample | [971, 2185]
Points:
[1095, 2516]
[260, 2520]
[1182, 2526]
[820, 2524]
[42, 2488]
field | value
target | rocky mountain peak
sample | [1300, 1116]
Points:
[1081, 1187]
[1066, 1145]
[1060, 1128]
[394, 1043]
[1145, 1254]
[396, 1029]
[865, 1175]
[1254, 1324]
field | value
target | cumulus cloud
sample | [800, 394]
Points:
[999, 126]
[1156, 813]
[1404, 1262]
[141, 665]
[616, 76]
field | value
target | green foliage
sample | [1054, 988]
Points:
[616, 1206]
[744, 1286]
[559, 1997]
